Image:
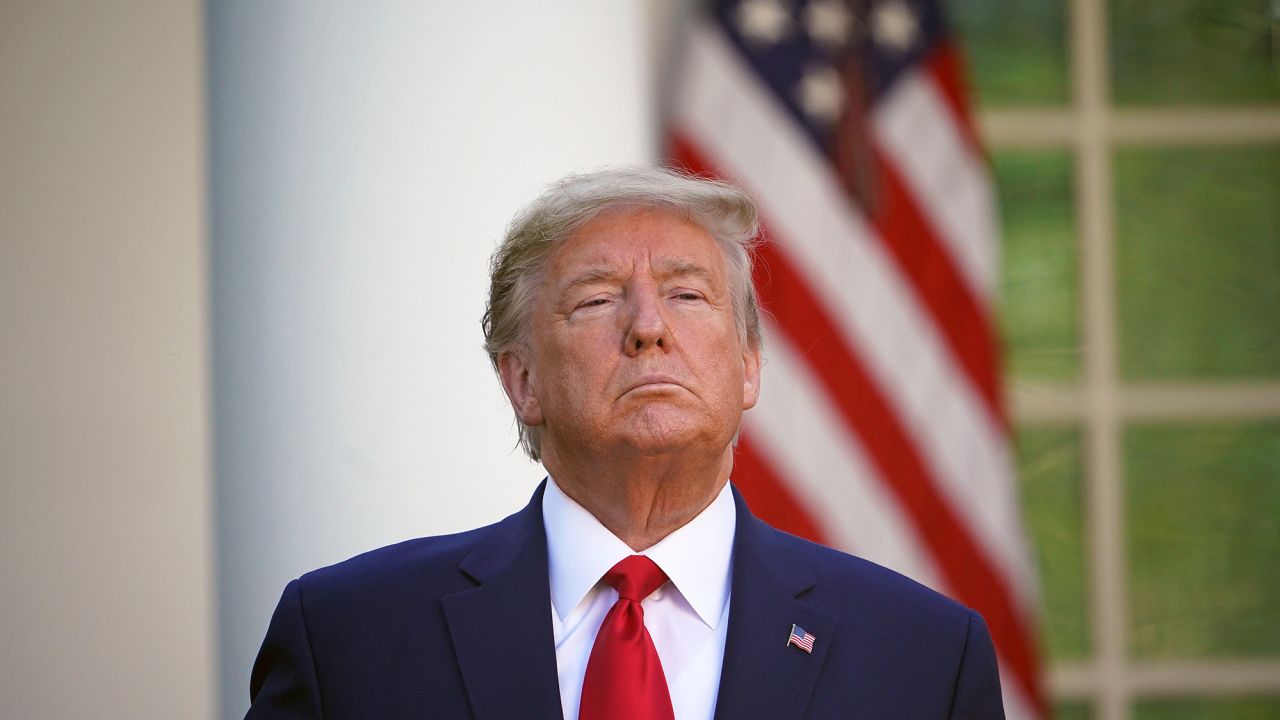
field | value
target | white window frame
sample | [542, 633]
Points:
[1090, 129]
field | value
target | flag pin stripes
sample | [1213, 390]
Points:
[801, 639]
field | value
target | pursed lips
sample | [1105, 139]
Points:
[653, 380]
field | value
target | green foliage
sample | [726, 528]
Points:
[1039, 277]
[1193, 52]
[1072, 711]
[1203, 519]
[1198, 260]
[1049, 470]
[1016, 50]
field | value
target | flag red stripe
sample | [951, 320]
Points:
[859, 402]
[768, 495]
[958, 314]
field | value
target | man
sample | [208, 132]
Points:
[636, 584]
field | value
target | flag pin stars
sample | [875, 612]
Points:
[801, 639]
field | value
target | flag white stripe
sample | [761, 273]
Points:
[750, 137]
[1016, 704]
[826, 468]
[947, 178]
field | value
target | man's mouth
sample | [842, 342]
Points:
[654, 382]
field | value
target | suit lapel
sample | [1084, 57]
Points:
[762, 676]
[501, 629]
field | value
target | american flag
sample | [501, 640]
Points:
[881, 429]
[801, 639]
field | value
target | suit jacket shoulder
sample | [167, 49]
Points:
[373, 637]
[397, 576]
[843, 580]
[885, 645]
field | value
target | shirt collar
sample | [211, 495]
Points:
[696, 557]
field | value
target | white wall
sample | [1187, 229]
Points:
[365, 160]
[106, 592]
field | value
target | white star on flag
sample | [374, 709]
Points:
[764, 21]
[893, 25]
[828, 22]
[822, 93]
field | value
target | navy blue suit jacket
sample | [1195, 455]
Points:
[459, 626]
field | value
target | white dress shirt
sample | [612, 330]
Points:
[687, 617]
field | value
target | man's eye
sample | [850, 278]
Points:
[688, 296]
[594, 302]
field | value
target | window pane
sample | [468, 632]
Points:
[1072, 711]
[1193, 52]
[1252, 709]
[1039, 276]
[1050, 483]
[1198, 260]
[1203, 517]
[1016, 49]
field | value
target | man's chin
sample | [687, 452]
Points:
[668, 430]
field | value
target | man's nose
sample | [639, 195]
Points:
[647, 325]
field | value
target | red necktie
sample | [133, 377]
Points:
[624, 678]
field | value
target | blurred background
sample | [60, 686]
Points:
[243, 258]
[1136, 147]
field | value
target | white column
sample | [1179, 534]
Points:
[365, 159]
[106, 568]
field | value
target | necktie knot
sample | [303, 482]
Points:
[624, 678]
[635, 577]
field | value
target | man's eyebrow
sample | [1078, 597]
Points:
[592, 275]
[682, 267]
[667, 268]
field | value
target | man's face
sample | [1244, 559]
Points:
[633, 344]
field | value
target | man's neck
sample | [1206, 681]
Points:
[641, 500]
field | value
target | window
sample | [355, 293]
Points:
[1136, 146]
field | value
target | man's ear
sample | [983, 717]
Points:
[750, 376]
[518, 383]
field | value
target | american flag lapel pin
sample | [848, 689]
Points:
[801, 639]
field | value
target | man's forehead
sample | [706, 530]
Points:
[664, 243]
[610, 267]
